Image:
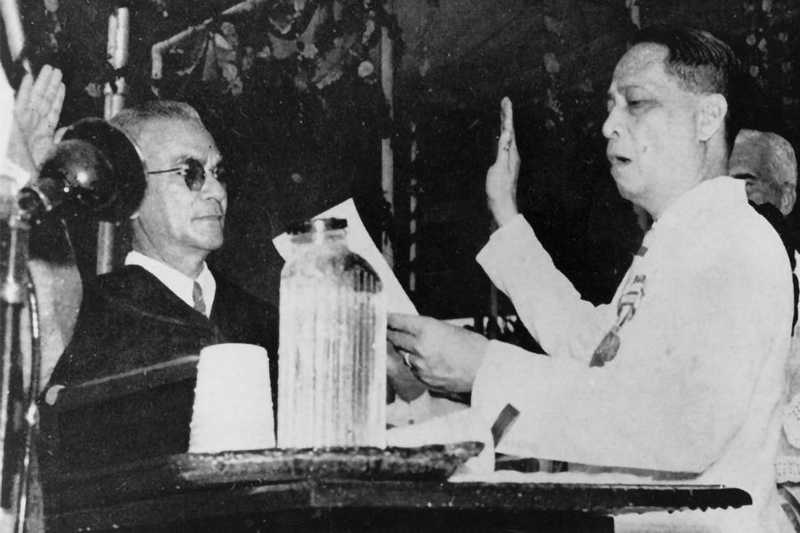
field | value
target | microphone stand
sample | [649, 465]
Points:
[32, 411]
[18, 414]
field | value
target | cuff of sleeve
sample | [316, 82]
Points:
[533, 384]
[499, 370]
[515, 234]
[502, 380]
[501, 234]
[18, 175]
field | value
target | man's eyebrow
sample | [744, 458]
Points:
[182, 158]
[622, 88]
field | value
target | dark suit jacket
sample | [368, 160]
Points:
[129, 320]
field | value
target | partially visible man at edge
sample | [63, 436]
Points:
[768, 165]
[682, 374]
[165, 302]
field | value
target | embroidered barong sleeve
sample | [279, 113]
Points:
[544, 299]
[705, 350]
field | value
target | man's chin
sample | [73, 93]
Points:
[628, 183]
[209, 242]
[625, 190]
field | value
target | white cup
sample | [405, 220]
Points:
[232, 400]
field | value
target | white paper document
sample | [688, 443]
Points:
[359, 241]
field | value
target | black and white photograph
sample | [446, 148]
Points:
[348, 266]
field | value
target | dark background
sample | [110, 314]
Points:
[301, 126]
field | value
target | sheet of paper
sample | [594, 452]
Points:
[510, 476]
[359, 241]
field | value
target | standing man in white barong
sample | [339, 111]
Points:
[682, 373]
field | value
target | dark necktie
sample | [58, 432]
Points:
[197, 298]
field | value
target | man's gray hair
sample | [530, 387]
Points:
[132, 120]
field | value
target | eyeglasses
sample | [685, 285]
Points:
[194, 173]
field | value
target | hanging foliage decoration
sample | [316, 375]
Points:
[322, 39]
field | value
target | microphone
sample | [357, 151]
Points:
[95, 169]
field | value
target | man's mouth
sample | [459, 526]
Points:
[209, 217]
[618, 160]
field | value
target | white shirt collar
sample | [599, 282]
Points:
[722, 191]
[175, 281]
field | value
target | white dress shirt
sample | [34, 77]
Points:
[697, 382]
[177, 282]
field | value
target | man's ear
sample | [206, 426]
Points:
[788, 198]
[711, 118]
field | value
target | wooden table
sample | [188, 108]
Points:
[242, 492]
[103, 485]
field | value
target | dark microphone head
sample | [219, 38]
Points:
[95, 168]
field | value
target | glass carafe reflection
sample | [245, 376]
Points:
[332, 361]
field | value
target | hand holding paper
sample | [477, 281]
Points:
[441, 355]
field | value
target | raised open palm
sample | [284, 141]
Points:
[501, 178]
[37, 110]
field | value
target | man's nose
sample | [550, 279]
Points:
[611, 126]
[213, 189]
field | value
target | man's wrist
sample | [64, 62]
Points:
[479, 348]
[503, 211]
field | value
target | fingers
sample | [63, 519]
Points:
[46, 85]
[507, 115]
[406, 358]
[43, 94]
[55, 107]
[407, 323]
[401, 340]
[506, 140]
[415, 363]
[53, 87]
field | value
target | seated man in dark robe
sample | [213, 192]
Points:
[164, 303]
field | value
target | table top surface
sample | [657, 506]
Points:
[150, 491]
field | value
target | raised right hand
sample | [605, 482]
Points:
[37, 110]
[501, 178]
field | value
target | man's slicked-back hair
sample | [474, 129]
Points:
[132, 120]
[702, 63]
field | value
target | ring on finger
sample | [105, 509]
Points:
[406, 360]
